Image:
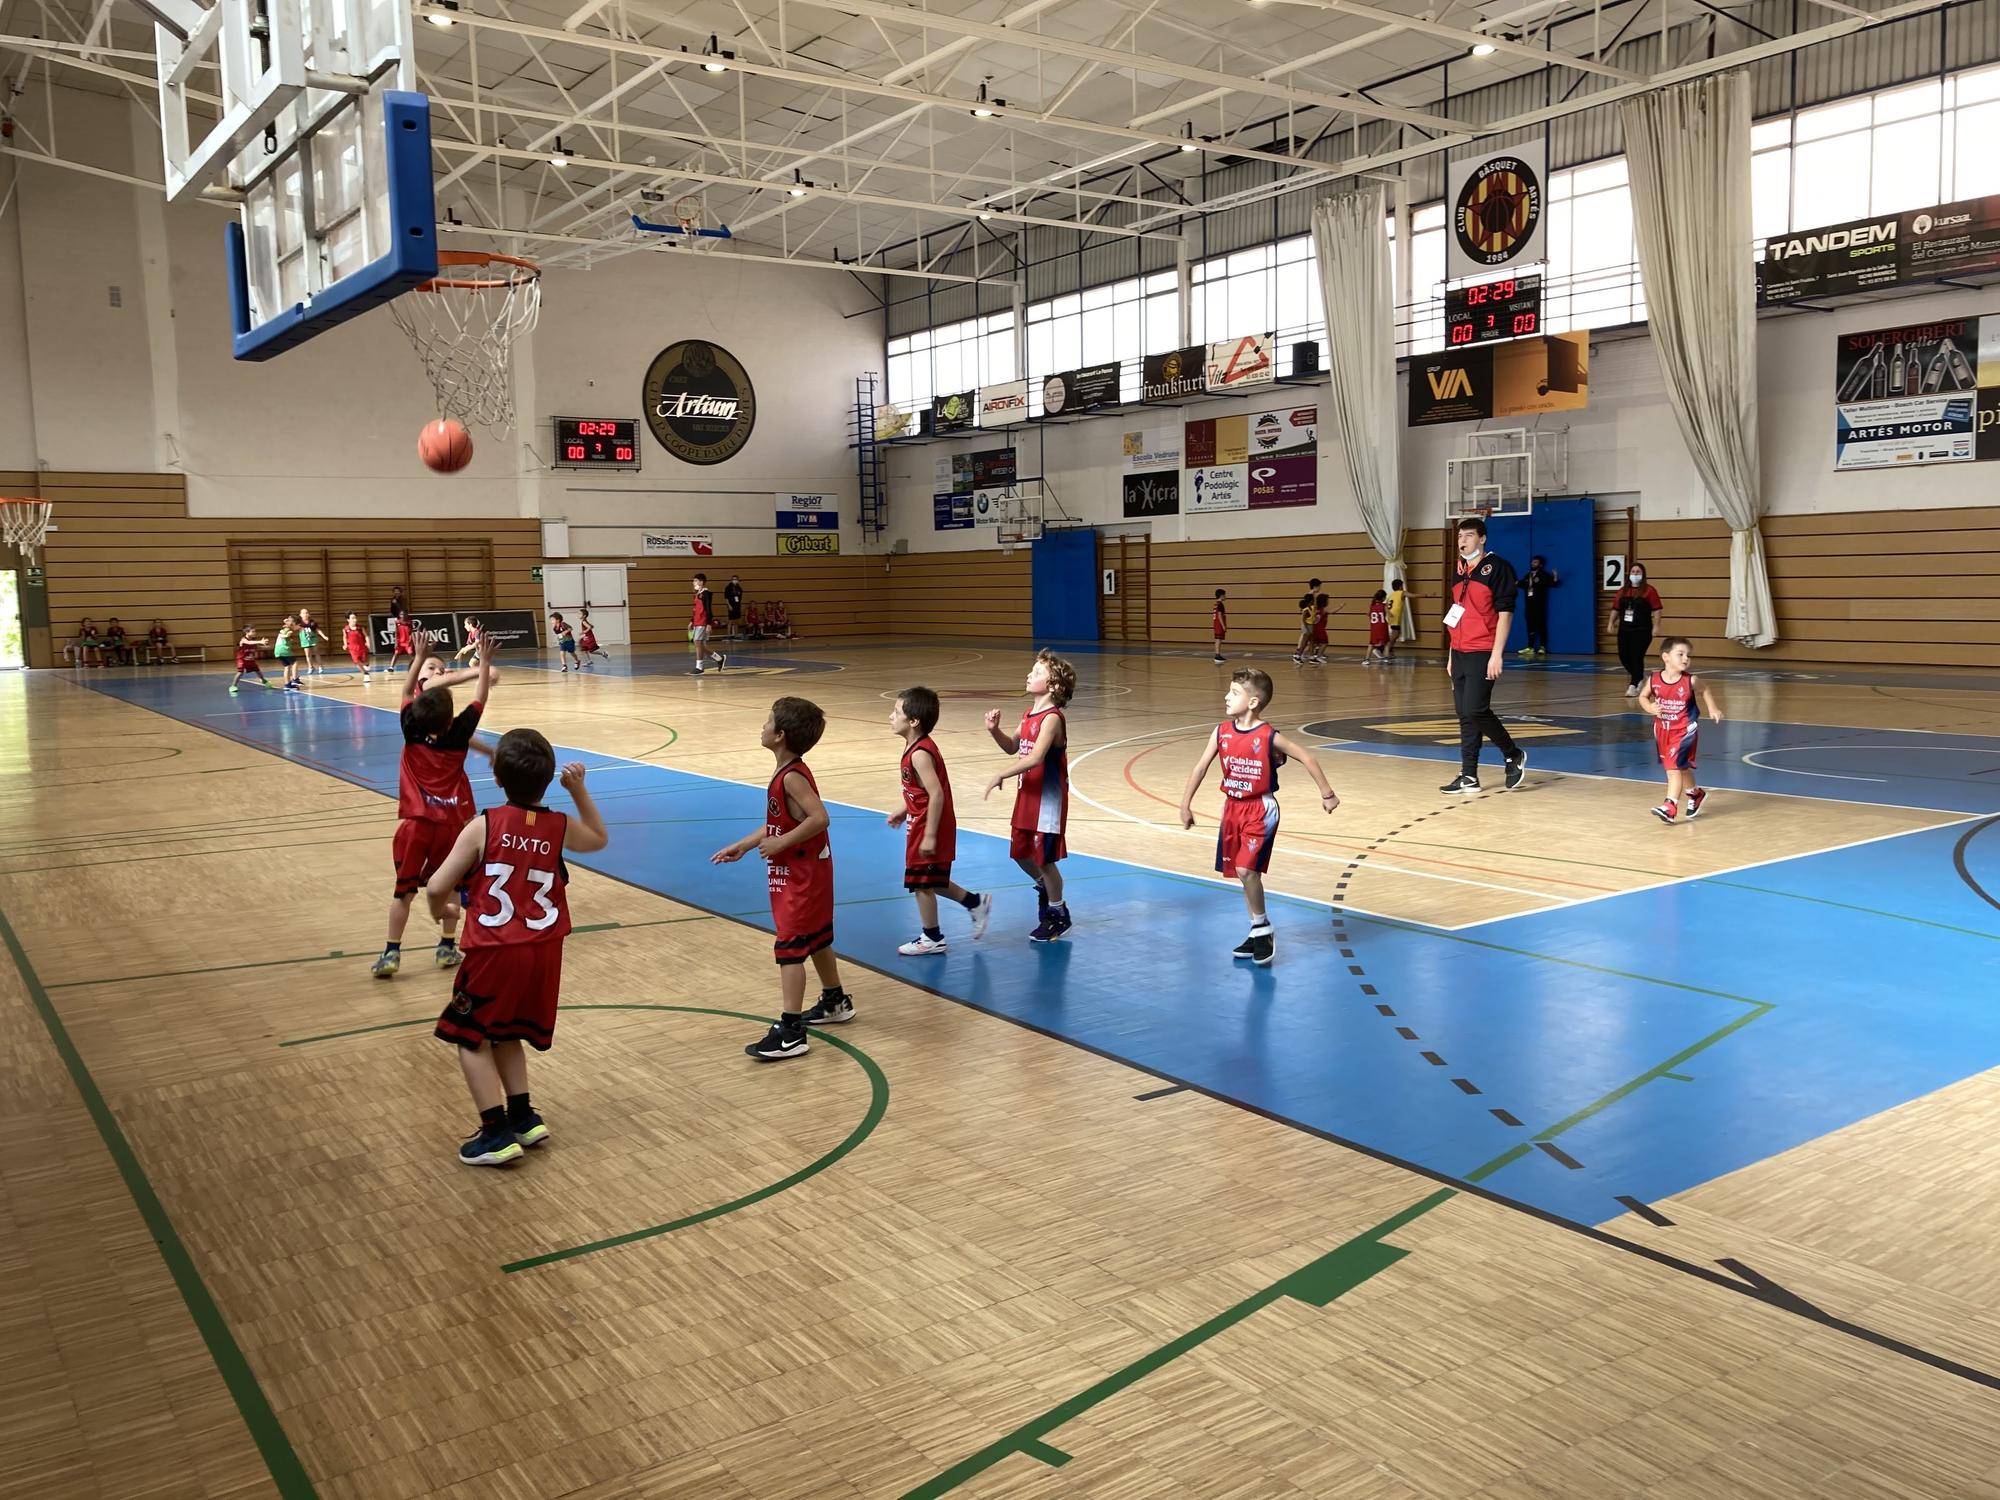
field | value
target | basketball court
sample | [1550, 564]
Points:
[1558, 1153]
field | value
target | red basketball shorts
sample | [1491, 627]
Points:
[1677, 745]
[421, 846]
[1037, 847]
[504, 994]
[1249, 829]
[802, 918]
[357, 652]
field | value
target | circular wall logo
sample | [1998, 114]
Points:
[1497, 210]
[1268, 432]
[1922, 224]
[955, 408]
[699, 402]
[1054, 392]
[1170, 367]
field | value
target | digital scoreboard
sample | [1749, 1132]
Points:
[1493, 310]
[597, 443]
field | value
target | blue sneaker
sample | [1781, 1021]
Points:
[491, 1148]
[530, 1130]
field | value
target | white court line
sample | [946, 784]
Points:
[1957, 820]
[1749, 758]
[1374, 863]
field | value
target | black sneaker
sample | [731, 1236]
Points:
[491, 1148]
[1245, 949]
[530, 1130]
[835, 1011]
[1515, 768]
[1263, 948]
[1460, 785]
[1218, 658]
[721, 661]
[779, 1043]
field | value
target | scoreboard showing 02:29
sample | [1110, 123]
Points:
[597, 442]
[1490, 311]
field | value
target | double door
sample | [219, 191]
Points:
[568, 587]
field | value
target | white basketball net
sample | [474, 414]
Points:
[463, 328]
[25, 524]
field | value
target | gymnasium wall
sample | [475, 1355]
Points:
[126, 546]
[829, 599]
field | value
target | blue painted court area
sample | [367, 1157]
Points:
[1891, 768]
[1656, 1039]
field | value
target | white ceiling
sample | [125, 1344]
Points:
[870, 102]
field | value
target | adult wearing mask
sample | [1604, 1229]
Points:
[1480, 613]
[1636, 613]
[1535, 586]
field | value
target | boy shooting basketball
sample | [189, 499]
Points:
[505, 992]
[1251, 752]
[1669, 696]
[434, 801]
[799, 876]
[1041, 804]
[930, 841]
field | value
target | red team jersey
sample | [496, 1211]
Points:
[1378, 624]
[1041, 806]
[933, 868]
[1674, 730]
[1221, 620]
[520, 887]
[357, 642]
[1250, 762]
[801, 879]
[588, 640]
[434, 785]
[703, 612]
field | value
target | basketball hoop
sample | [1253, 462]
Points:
[25, 524]
[688, 212]
[463, 327]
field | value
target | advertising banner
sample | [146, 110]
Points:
[1921, 393]
[1905, 249]
[952, 413]
[801, 511]
[1175, 375]
[1213, 441]
[951, 512]
[675, 544]
[509, 629]
[1236, 364]
[1520, 379]
[808, 543]
[1216, 487]
[1079, 390]
[1152, 494]
[1497, 218]
[1155, 448]
[1290, 479]
[439, 628]
[1003, 405]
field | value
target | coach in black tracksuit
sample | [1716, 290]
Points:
[1477, 618]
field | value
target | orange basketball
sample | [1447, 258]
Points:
[444, 446]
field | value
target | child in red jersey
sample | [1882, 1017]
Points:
[1251, 752]
[1319, 630]
[1669, 696]
[247, 646]
[355, 636]
[1041, 805]
[586, 638]
[799, 877]
[406, 639]
[701, 620]
[1220, 622]
[1378, 628]
[930, 842]
[505, 992]
[434, 801]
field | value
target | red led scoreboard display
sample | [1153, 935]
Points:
[597, 443]
[1493, 310]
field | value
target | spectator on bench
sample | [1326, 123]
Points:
[163, 649]
[85, 650]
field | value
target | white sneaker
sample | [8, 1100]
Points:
[981, 915]
[919, 946]
[1632, 691]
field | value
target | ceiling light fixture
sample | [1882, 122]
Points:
[983, 218]
[442, 20]
[1187, 137]
[715, 59]
[561, 155]
[799, 185]
[983, 109]
[1483, 49]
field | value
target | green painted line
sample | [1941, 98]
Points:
[1317, 1283]
[1506, 1158]
[1055, 1458]
[331, 1036]
[265, 1430]
[878, 1106]
[1763, 1009]
[1872, 911]
[1678, 1077]
[672, 735]
[269, 963]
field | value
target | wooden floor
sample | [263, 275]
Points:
[236, 1258]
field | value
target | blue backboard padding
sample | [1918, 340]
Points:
[411, 257]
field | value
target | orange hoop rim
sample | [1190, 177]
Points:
[521, 272]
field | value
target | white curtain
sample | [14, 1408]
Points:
[1351, 236]
[1689, 151]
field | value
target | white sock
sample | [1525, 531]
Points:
[1259, 923]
